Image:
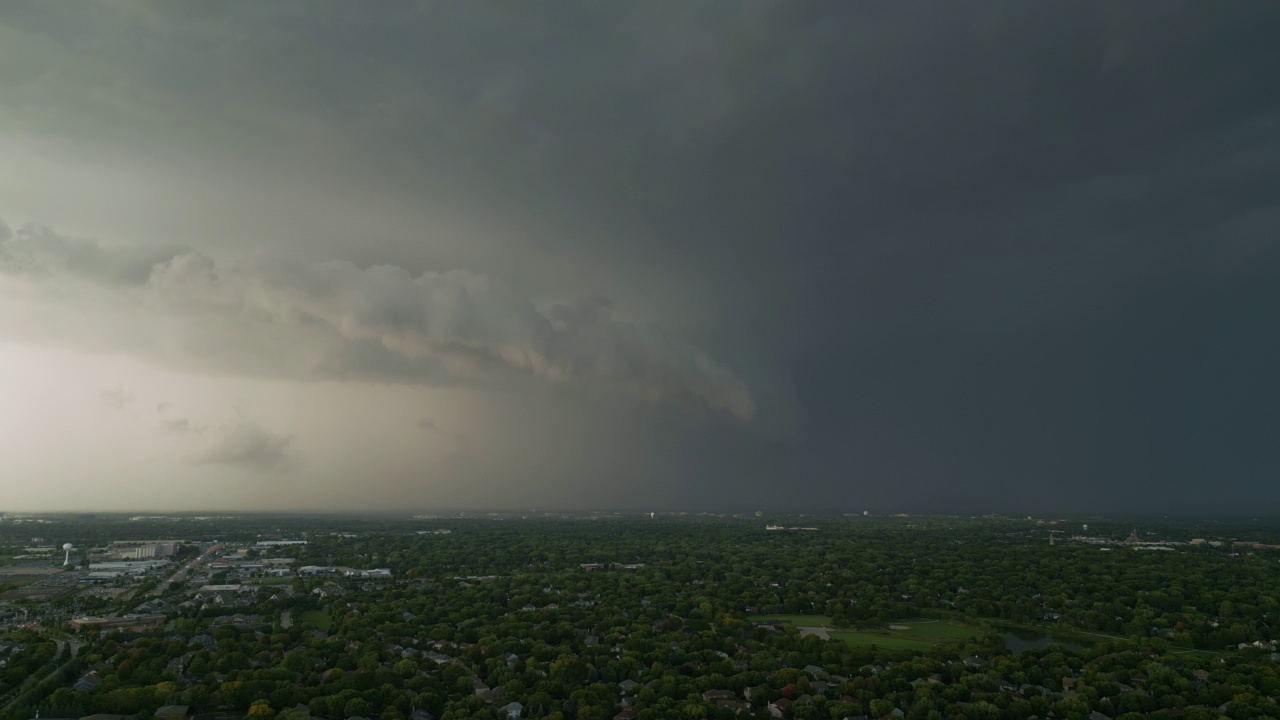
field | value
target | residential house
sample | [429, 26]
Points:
[86, 683]
[779, 707]
[491, 696]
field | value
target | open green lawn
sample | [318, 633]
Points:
[1198, 653]
[935, 629]
[316, 619]
[802, 620]
[856, 637]
[912, 634]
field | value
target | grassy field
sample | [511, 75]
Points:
[316, 619]
[911, 634]
[858, 637]
[935, 629]
[1199, 653]
[802, 620]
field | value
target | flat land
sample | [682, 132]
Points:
[910, 634]
[316, 620]
[894, 641]
[802, 620]
[935, 629]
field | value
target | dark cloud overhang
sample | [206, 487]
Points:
[1010, 252]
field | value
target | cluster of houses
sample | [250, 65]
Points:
[374, 573]
[168, 712]
[777, 702]
[7, 649]
[592, 567]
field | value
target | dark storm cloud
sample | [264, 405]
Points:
[38, 251]
[473, 323]
[464, 325]
[1011, 255]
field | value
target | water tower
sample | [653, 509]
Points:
[68, 547]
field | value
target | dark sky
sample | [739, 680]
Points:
[936, 257]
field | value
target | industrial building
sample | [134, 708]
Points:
[117, 623]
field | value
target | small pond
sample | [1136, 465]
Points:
[1020, 642]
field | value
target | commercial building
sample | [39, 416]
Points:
[117, 623]
[131, 567]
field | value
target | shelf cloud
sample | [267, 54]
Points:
[471, 326]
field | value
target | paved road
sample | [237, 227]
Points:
[182, 572]
[286, 619]
[75, 646]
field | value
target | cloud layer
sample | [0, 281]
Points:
[469, 326]
[245, 445]
[957, 256]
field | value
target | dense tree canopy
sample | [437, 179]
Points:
[675, 617]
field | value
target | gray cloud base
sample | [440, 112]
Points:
[469, 325]
[244, 445]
